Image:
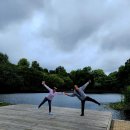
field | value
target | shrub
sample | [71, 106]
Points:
[127, 96]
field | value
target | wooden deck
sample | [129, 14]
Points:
[29, 117]
[120, 125]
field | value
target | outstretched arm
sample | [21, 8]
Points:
[85, 85]
[70, 95]
[60, 93]
[43, 83]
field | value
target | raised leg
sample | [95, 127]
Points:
[44, 100]
[92, 100]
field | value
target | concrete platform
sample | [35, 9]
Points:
[29, 117]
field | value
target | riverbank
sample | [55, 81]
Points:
[4, 104]
[121, 106]
[118, 106]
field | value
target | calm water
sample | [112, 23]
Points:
[65, 101]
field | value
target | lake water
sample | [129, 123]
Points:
[65, 101]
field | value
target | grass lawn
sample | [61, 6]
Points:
[4, 104]
[119, 106]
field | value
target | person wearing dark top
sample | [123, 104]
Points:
[79, 93]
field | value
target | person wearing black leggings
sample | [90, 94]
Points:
[49, 103]
[52, 93]
[79, 93]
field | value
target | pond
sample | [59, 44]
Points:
[65, 101]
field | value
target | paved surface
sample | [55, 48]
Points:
[29, 117]
[120, 125]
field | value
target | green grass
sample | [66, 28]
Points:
[119, 106]
[4, 104]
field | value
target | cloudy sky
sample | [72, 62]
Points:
[69, 33]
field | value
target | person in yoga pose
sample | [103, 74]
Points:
[79, 93]
[49, 97]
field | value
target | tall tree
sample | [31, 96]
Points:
[35, 65]
[99, 77]
[61, 71]
[24, 71]
[3, 58]
[23, 63]
[53, 80]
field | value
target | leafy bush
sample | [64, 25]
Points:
[127, 96]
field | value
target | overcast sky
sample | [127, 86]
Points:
[69, 33]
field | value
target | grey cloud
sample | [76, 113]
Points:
[17, 10]
[117, 41]
[73, 33]
[110, 61]
[69, 40]
[110, 65]
[70, 22]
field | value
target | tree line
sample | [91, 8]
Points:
[27, 77]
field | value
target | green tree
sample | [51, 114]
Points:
[112, 83]
[68, 83]
[45, 70]
[80, 77]
[24, 72]
[52, 72]
[35, 65]
[53, 80]
[122, 76]
[61, 71]
[127, 70]
[3, 58]
[10, 81]
[34, 80]
[99, 77]
[127, 96]
[87, 69]
[23, 63]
